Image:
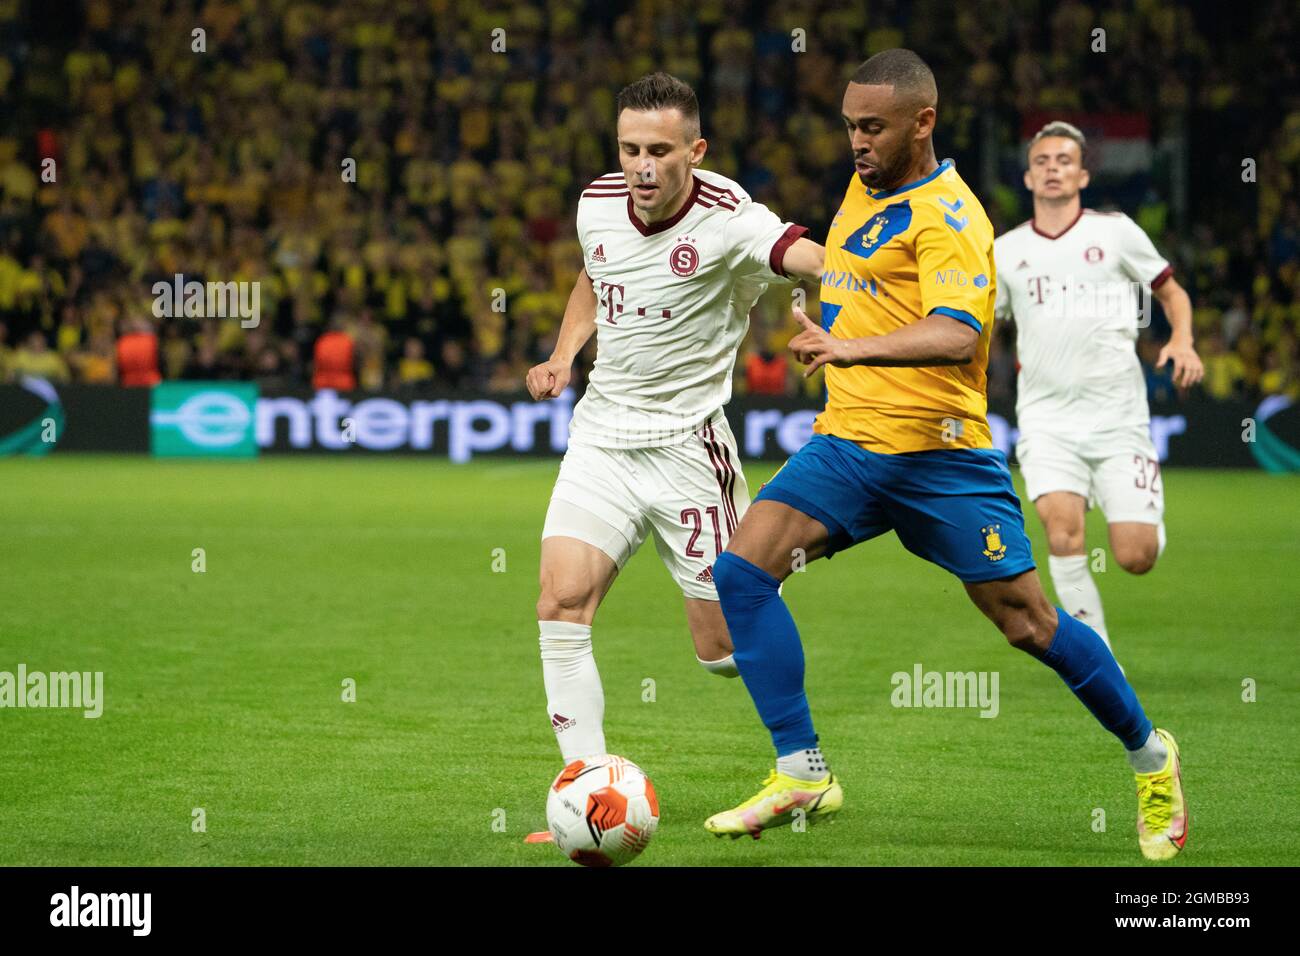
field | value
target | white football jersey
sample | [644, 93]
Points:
[673, 302]
[1078, 300]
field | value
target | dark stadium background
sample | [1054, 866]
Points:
[225, 165]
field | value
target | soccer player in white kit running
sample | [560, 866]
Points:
[1070, 278]
[675, 257]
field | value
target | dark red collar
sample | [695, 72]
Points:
[663, 224]
[1047, 235]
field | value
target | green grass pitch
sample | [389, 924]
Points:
[224, 688]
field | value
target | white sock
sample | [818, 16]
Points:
[723, 667]
[1077, 592]
[1161, 539]
[575, 700]
[804, 765]
[1150, 757]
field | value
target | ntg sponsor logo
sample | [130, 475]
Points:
[955, 277]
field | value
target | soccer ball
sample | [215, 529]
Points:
[602, 811]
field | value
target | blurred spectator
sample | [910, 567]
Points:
[414, 369]
[767, 373]
[1224, 368]
[269, 370]
[206, 363]
[232, 165]
[454, 369]
[96, 364]
[137, 356]
[35, 358]
[1235, 319]
[334, 362]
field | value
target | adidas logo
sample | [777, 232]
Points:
[599, 254]
[560, 722]
[706, 575]
[1024, 264]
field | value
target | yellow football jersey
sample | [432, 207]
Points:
[892, 257]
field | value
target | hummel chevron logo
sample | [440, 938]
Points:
[957, 224]
[952, 207]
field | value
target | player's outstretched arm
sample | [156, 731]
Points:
[805, 259]
[935, 339]
[550, 378]
[1188, 369]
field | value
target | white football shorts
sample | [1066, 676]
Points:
[1116, 470]
[690, 496]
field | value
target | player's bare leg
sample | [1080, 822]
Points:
[772, 535]
[1062, 514]
[1135, 545]
[1029, 622]
[712, 641]
[1019, 609]
[575, 577]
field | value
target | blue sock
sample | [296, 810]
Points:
[768, 653]
[1089, 669]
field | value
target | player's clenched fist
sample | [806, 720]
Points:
[815, 347]
[549, 379]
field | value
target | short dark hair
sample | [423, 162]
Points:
[1066, 130]
[660, 91]
[902, 69]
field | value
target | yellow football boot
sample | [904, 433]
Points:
[774, 805]
[1162, 821]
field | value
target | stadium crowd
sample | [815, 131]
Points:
[445, 261]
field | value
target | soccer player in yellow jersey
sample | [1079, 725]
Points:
[907, 306]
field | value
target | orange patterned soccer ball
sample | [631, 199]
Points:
[602, 811]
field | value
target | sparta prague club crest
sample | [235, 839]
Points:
[684, 259]
[994, 549]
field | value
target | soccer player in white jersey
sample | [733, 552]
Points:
[675, 257]
[1076, 283]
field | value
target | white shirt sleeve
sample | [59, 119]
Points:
[1138, 256]
[755, 240]
[580, 224]
[1002, 303]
